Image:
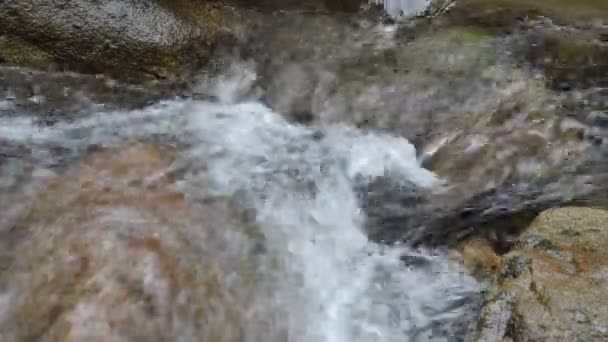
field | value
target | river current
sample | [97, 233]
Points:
[332, 284]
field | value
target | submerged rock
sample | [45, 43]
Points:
[554, 285]
[52, 97]
[140, 38]
[111, 250]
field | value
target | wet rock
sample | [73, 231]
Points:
[375, 76]
[56, 96]
[295, 52]
[490, 110]
[557, 282]
[112, 250]
[402, 88]
[500, 214]
[139, 39]
[534, 127]
[524, 147]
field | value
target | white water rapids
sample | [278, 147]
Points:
[335, 284]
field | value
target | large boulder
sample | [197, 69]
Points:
[130, 38]
[554, 285]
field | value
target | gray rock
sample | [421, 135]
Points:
[580, 317]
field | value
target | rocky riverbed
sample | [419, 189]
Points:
[303, 171]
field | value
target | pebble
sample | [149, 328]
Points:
[580, 317]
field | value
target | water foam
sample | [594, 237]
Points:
[300, 180]
[336, 285]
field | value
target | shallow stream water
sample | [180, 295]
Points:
[334, 283]
[312, 224]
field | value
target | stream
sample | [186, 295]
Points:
[334, 209]
[336, 285]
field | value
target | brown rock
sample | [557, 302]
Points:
[479, 258]
[557, 282]
[111, 251]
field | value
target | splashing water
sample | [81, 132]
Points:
[335, 284]
[347, 287]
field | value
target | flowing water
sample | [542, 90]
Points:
[298, 259]
[334, 284]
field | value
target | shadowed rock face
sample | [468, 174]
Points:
[111, 251]
[143, 38]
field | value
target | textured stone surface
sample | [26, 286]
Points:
[145, 38]
[554, 285]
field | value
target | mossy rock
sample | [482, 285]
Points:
[569, 59]
[19, 52]
[463, 35]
